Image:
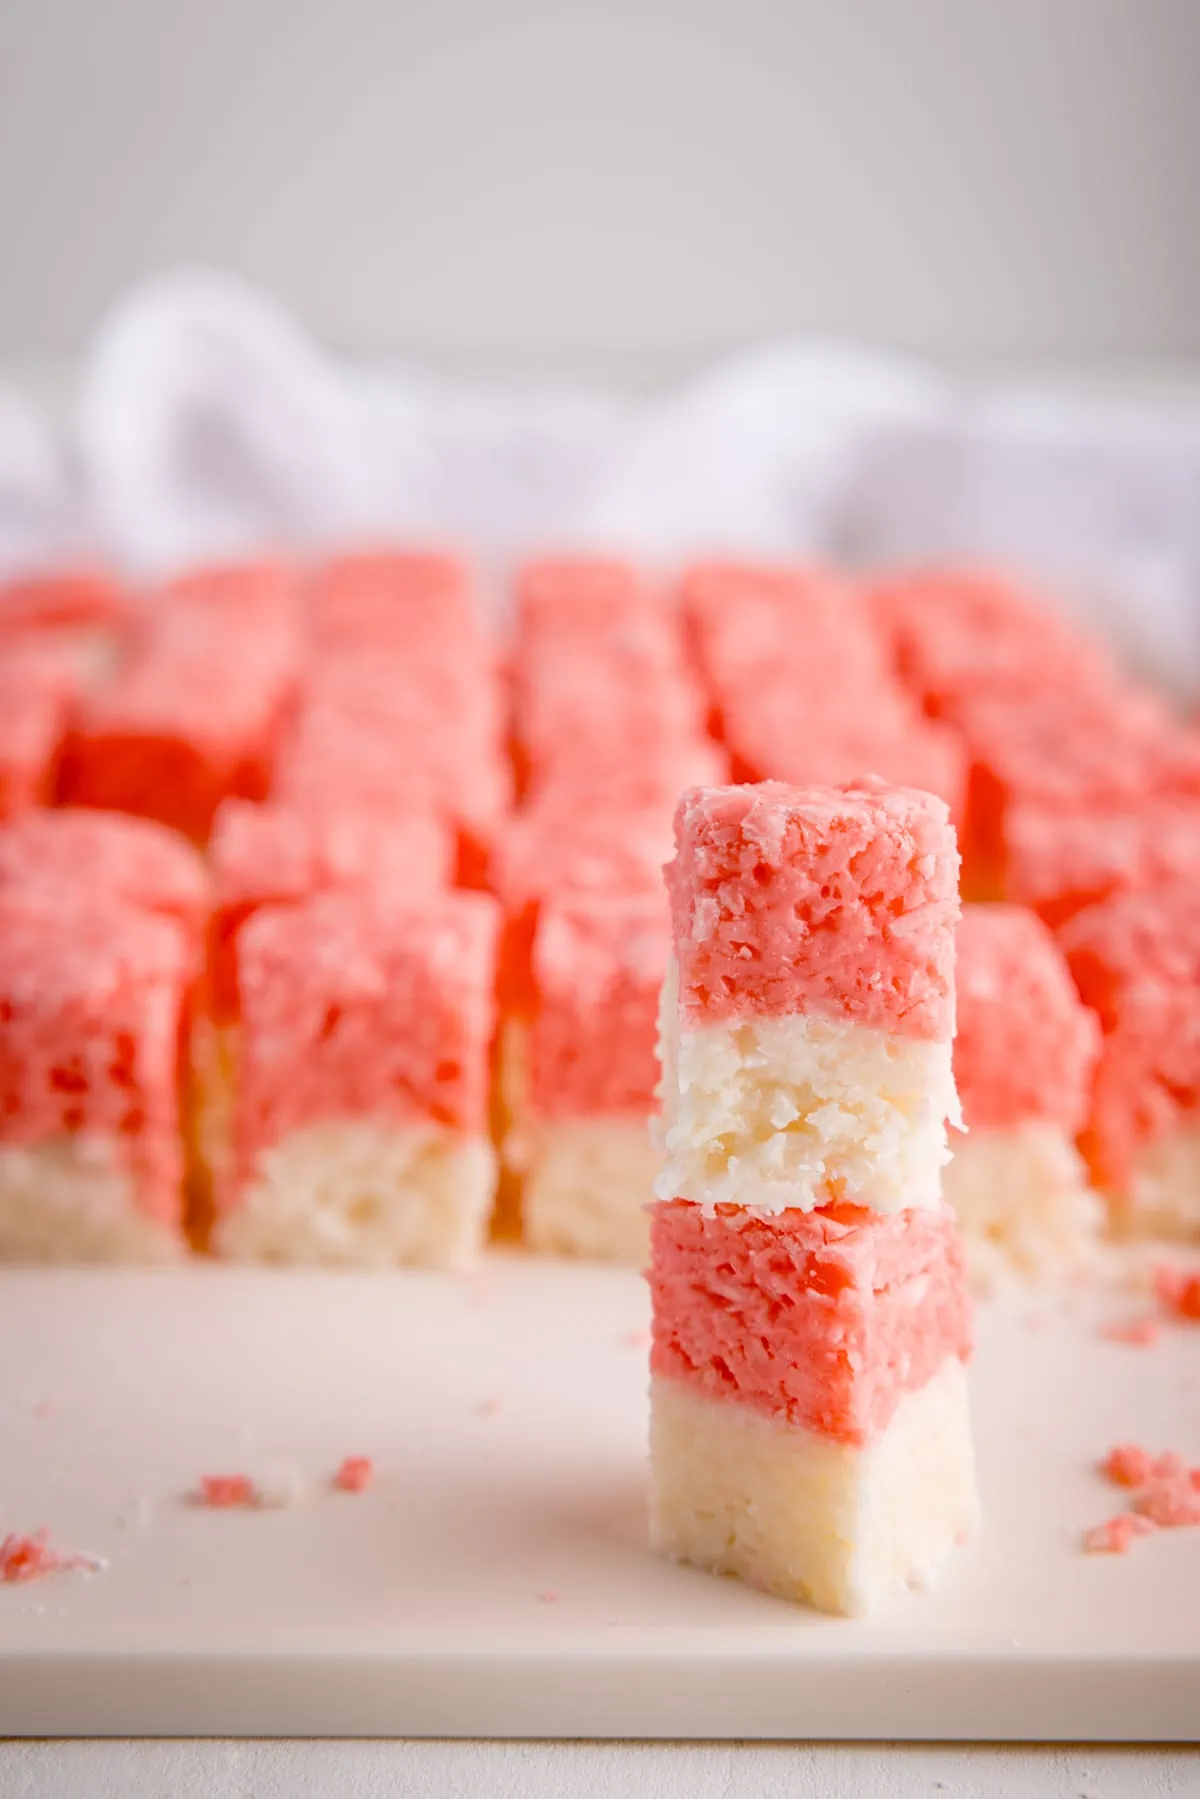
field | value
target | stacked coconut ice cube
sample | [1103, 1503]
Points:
[810, 1308]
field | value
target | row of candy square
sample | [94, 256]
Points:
[368, 701]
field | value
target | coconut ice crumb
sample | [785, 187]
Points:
[1171, 1504]
[637, 1339]
[355, 1474]
[1178, 1291]
[1127, 1466]
[32, 1557]
[224, 1492]
[1166, 1496]
[487, 1408]
[1116, 1535]
[549, 1597]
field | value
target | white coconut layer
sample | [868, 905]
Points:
[803, 1516]
[793, 1111]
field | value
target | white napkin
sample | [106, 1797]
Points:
[209, 423]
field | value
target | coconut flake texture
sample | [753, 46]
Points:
[835, 902]
[823, 1523]
[74, 1199]
[363, 1192]
[588, 1184]
[781, 1112]
[1023, 1203]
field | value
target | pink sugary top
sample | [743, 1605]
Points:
[613, 697]
[601, 683]
[835, 744]
[558, 846]
[563, 849]
[776, 624]
[837, 902]
[626, 776]
[92, 998]
[64, 597]
[276, 854]
[186, 723]
[598, 966]
[960, 633]
[1136, 961]
[335, 758]
[1060, 862]
[353, 1009]
[392, 595]
[1026, 1044]
[69, 853]
[1078, 749]
[572, 596]
[825, 1318]
[251, 596]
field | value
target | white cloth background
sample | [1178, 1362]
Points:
[206, 421]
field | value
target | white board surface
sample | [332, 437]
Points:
[495, 1581]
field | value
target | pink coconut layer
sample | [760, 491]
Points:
[259, 601]
[872, 732]
[756, 624]
[36, 693]
[1136, 961]
[184, 723]
[93, 996]
[565, 597]
[958, 634]
[1068, 753]
[602, 692]
[1060, 862]
[355, 1008]
[598, 966]
[336, 758]
[558, 848]
[68, 851]
[1026, 1045]
[826, 1318]
[394, 595]
[832, 901]
[277, 854]
[63, 598]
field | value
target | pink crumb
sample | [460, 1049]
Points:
[27, 1557]
[637, 1339]
[1128, 1466]
[1172, 1504]
[1115, 1536]
[31, 1557]
[487, 1408]
[1141, 1333]
[355, 1474]
[222, 1492]
[1178, 1289]
[549, 1597]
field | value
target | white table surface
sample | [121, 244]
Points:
[506, 1415]
[122, 1770]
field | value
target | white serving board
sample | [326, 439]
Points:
[506, 1416]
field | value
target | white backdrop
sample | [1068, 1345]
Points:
[614, 185]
